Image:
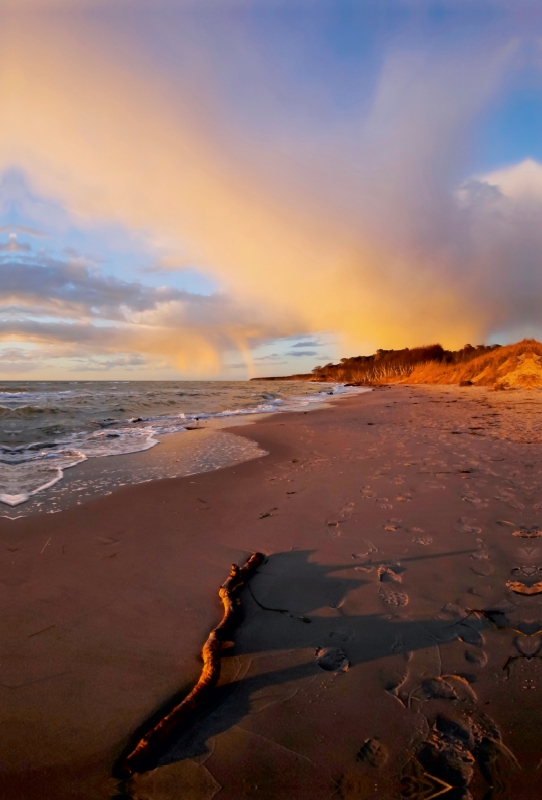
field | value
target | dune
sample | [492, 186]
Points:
[515, 366]
[512, 367]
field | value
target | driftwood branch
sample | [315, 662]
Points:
[148, 750]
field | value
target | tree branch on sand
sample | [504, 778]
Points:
[151, 746]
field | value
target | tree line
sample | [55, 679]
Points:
[386, 365]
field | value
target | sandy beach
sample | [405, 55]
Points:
[401, 654]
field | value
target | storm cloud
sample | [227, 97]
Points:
[325, 194]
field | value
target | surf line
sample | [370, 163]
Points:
[153, 744]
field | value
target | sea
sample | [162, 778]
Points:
[50, 431]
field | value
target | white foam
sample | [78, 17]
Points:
[21, 481]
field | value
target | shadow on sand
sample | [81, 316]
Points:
[293, 589]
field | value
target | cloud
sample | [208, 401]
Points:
[302, 353]
[70, 310]
[503, 239]
[125, 362]
[18, 360]
[306, 344]
[71, 286]
[316, 220]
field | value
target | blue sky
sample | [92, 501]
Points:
[265, 187]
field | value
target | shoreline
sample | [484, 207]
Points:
[108, 604]
[172, 455]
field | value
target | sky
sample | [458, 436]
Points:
[233, 188]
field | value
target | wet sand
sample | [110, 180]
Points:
[393, 522]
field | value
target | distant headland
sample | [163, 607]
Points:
[514, 366]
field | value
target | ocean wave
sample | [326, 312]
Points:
[29, 410]
[21, 481]
[36, 465]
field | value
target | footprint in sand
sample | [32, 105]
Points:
[392, 524]
[507, 495]
[454, 746]
[437, 689]
[447, 687]
[393, 597]
[347, 510]
[373, 753]
[370, 549]
[467, 525]
[383, 502]
[469, 635]
[475, 499]
[331, 659]
[387, 575]
[406, 497]
[476, 657]
[367, 493]
[423, 540]
[482, 565]
[392, 681]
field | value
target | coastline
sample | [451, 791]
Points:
[59, 470]
[108, 603]
[176, 455]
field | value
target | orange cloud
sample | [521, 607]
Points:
[96, 125]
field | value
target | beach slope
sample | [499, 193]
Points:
[389, 641]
